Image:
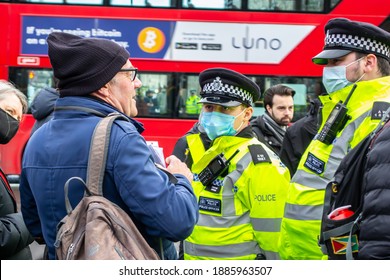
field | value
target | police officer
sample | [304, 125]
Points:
[239, 183]
[192, 106]
[356, 76]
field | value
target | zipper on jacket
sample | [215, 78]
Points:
[120, 254]
[70, 251]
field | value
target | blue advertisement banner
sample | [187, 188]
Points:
[142, 38]
[174, 40]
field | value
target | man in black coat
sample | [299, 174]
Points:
[270, 127]
[374, 237]
[42, 106]
[298, 136]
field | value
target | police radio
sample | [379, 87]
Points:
[216, 167]
[336, 121]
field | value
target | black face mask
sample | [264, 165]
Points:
[8, 127]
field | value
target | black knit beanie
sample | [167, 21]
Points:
[84, 65]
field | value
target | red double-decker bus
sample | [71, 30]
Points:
[171, 41]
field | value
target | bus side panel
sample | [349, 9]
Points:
[165, 132]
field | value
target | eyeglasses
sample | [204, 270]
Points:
[133, 72]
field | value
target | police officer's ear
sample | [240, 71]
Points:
[370, 63]
[248, 113]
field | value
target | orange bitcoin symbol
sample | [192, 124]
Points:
[151, 40]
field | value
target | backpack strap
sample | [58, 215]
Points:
[98, 153]
[68, 206]
[354, 228]
[97, 159]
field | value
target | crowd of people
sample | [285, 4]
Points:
[246, 188]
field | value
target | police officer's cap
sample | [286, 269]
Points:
[343, 36]
[227, 88]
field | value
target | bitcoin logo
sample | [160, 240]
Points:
[151, 40]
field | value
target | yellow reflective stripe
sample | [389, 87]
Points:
[303, 212]
[302, 195]
[223, 222]
[272, 255]
[231, 179]
[338, 151]
[195, 145]
[340, 148]
[222, 251]
[309, 179]
[266, 224]
[228, 207]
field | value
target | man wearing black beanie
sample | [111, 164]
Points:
[97, 78]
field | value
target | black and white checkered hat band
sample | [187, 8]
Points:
[218, 87]
[358, 43]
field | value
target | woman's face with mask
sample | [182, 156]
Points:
[10, 103]
[11, 112]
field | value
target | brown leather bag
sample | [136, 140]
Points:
[97, 229]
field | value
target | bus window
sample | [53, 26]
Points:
[188, 98]
[215, 4]
[291, 5]
[72, 2]
[155, 96]
[142, 3]
[31, 81]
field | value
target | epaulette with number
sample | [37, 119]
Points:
[259, 154]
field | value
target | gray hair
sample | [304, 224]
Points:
[8, 88]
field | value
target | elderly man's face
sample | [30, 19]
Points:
[123, 91]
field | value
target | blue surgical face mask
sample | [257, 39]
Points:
[218, 124]
[335, 78]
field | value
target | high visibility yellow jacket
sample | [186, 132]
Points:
[192, 106]
[303, 212]
[242, 220]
